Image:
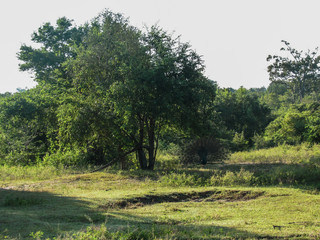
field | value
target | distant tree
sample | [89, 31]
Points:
[277, 88]
[260, 90]
[242, 113]
[299, 71]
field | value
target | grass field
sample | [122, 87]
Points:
[220, 201]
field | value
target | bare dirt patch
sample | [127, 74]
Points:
[206, 196]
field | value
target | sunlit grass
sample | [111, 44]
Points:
[71, 203]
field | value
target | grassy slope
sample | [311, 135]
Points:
[58, 203]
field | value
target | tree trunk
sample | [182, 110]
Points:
[122, 159]
[141, 155]
[142, 159]
[151, 150]
[203, 153]
[115, 160]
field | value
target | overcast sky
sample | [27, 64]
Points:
[233, 36]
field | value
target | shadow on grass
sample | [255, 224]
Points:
[23, 212]
[172, 229]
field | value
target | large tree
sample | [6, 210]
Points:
[117, 87]
[298, 70]
[169, 89]
[148, 80]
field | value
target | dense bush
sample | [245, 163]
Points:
[299, 124]
[203, 150]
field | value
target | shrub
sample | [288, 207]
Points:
[229, 178]
[74, 157]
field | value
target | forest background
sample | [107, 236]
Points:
[108, 92]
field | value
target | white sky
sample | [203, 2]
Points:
[233, 36]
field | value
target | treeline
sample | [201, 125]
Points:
[109, 92]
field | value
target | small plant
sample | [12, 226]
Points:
[181, 179]
[37, 235]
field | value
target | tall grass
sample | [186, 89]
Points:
[35, 172]
[300, 154]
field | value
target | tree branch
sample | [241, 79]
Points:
[113, 161]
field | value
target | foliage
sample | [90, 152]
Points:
[240, 143]
[259, 142]
[74, 157]
[213, 178]
[27, 126]
[277, 97]
[57, 44]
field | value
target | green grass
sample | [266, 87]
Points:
[71, 204]
[220, 201]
